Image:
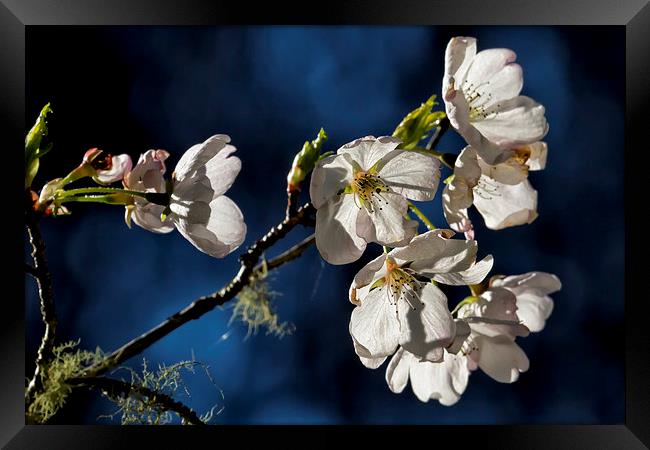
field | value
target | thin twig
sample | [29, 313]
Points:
[46, 295]
[207, 303]
[286, 256]
[442, 128]
[115, 388]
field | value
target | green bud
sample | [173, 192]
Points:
[418, 123]
[33, 149]
[305, 160]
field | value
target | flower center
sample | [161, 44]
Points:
[477, 99]
[400, 284]
[367, 189]
[521, 155]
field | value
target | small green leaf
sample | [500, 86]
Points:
[418, 123]
[33, 149]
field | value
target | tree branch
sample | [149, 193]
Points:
[115, 388]
[207, 303]
[46, 294]
[443, 126]
[284, 257]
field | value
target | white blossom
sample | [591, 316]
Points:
[198, 209]
[361, 193]
[482, 101]
[485, 339]
[501, 192]
[532, 290]
[398, 305]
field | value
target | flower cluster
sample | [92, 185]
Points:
[363, 194]
[192, 201]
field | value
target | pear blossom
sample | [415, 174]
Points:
[501, 193]
[485, 333]
[486, 329]
[108, 168]
[197, 208]
[482, 101]
[361, 193]
[532, 290]
[398, 305]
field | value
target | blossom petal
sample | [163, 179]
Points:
[426, 327]
[430, 254]
[452, 200]
[211, 179]
[494, 75]
[510, 171]
[538, 155]
[147, 175]
[498, 309]
[461, 334]
[367, 151]
[516, 122]
[459, 54]
[533, 310]
[387, 216]
[534, 305]
[364, 356]
[330, 175]
[120, 167]
[474, 275]
[397, 371]
[412, 174]
[374, 324]
[336, 238]
[547, 283]
[148, 215]
[372, 271]
[216, 228]
[501, 359]
[444, 381]
[198, 155]
[503, 205]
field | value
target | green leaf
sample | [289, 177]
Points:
[417, 124]
[33, 149]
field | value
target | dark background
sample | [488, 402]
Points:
[270, 88]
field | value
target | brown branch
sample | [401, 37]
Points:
[286, 256]
[116, 388]
[442, 128]
[207, 303]
[46, 294]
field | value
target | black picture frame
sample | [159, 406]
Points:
[634, 15]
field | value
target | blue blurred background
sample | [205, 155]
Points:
[270, 88]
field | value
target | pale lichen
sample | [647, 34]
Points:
[254, 307]
[138, 409]
[66, 363]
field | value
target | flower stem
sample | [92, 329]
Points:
[101, 190]
[108, 199]
[421, 216]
